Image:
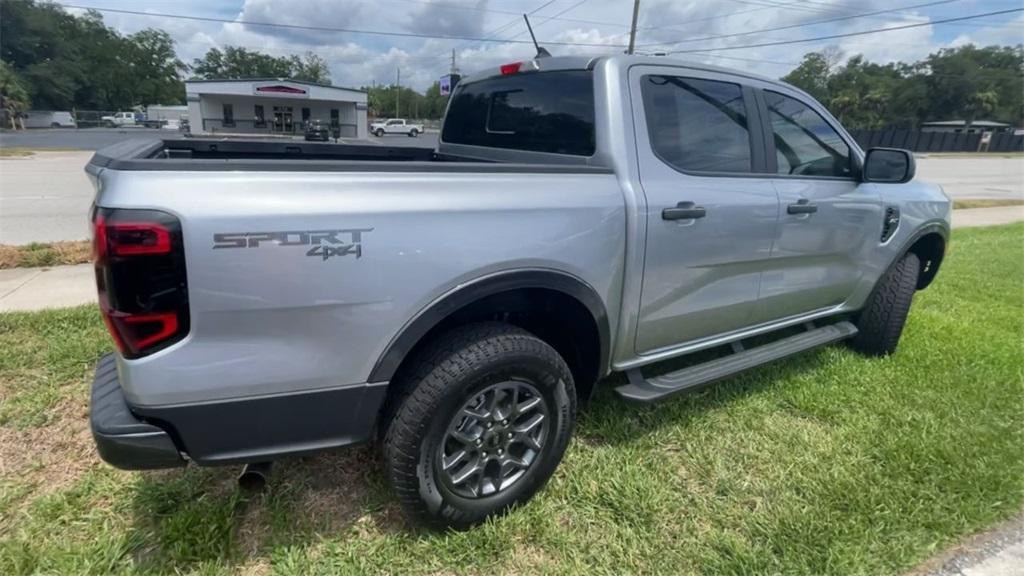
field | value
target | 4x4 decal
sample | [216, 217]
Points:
[323, 243]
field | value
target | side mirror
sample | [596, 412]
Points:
[889, 166]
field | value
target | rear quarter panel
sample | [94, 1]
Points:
[270, 319]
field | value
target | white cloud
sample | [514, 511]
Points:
[360, 59]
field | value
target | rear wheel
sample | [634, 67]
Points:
[486, 417]
[880, 323]
[413, 133]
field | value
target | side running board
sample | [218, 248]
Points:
[645, 390]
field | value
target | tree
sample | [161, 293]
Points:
[13, 96]
[234, 63]
[311, 68]
[956, 76]
[811, 76]
[152, 63]
[979, 104]
[68, 61]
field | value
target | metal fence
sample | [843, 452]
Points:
[239, 126]
[918, 141]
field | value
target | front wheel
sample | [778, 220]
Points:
[880, 323]
[488, 413]
[379, 133]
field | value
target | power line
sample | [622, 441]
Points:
[815, 22]
[848, 34]
[331, 29]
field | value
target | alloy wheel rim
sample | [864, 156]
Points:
[494, 439]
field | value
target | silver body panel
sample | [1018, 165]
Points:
[272, 320]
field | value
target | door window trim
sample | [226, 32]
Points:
[755, 127]
[771, 161]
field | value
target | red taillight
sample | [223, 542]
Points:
[138, 238]
[99, 239]
[134, 333]
[140, 277]
[512, 68]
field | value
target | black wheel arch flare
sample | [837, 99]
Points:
[414, 331]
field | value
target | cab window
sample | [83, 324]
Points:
[805, 144]
[537, 112]
[697, 125]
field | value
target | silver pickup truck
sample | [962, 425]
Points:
[579, 217]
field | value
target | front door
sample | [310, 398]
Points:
[829, 222]
[711, 218]
[283, 119]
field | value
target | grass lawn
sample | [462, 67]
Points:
[829, 463]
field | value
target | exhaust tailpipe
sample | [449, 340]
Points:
[254, 476]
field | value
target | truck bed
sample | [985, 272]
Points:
[206, 154]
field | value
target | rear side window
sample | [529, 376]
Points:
[805, 144]
[537, 112]
[697, 125]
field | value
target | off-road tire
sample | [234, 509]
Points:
[451, 371]
[880, 323]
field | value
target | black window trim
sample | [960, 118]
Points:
[755, 128]
[771, 161]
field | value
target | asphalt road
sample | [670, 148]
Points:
[96, 138]
[46, 197]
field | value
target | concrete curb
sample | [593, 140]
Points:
[996, 552]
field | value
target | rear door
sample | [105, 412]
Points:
[711, 216]
[829, 221]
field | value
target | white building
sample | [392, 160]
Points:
[273, 106]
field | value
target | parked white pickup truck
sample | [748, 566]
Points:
[119, 119]
[396, 126]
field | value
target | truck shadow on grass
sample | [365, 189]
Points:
[183, 518]
[608, 420]
[199, 515]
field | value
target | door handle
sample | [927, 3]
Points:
[684, 211]
[802, 206]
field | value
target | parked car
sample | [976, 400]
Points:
[459, 304]
[49, 119]
[119, 119]
[396, 126]
[317, 130]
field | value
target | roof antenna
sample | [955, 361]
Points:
[541, 51]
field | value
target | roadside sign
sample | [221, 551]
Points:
[448, 83]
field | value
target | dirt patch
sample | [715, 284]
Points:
[53, 456]
[329, 492]
[48, 254]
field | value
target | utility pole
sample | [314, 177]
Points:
[455, 69]
[632, 29]
[398, 92]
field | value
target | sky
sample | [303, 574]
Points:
[714, 27]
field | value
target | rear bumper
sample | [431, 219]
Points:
[123, 440]
[238, 431]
